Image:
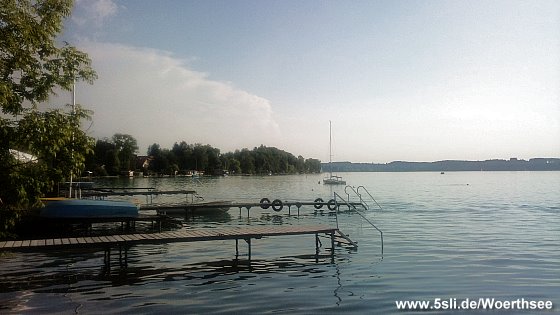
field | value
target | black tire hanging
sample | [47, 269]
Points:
[331, 205]
[277, 205]
[265, 203]
[318, 203]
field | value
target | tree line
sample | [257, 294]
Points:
[118, 155]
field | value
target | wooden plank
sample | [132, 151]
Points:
[17, 244]
[163, 235]
[143, 236]
[128, 237]
[57, 241]
[9, 244]
[206, 233]
[120, 238]
[177, 235]
[193, 233]
[109, 239]
[89, 240]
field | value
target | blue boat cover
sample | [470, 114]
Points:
[84, 208]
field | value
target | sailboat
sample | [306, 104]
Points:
[332, 179]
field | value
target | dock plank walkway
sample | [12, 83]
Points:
[194, 235]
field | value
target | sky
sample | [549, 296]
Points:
[400, 80]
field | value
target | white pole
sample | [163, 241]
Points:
[73, 109]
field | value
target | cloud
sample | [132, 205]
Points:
[93, 12]
[156, 98]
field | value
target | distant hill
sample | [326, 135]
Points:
[536, 164]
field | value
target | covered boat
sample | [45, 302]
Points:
[89, 209]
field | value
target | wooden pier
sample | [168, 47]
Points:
[168, 208]
[102, 194]
[124, 241]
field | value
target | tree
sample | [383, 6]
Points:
[163, 160]
[32, 67]
[127, 148]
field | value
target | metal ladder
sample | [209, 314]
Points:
[337, 197]
[357, 193]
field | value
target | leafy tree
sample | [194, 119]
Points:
[104, 161]
[247, 161]
[127, 147]
[183, 153]
[32, 67]
[163, 162]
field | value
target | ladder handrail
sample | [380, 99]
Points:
[358, 212]
[358, 192]
[364, 204]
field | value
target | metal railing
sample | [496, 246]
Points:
[351, 206]
[357, 193]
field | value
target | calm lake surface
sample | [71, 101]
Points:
[457, 235]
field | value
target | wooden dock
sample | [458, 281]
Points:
[102, 194]
[124, 241]
[193, 206]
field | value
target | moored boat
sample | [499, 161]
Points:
[332, 179]
[88, 209]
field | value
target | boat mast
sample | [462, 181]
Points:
[330, 148]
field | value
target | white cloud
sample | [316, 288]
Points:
[93, 12]
[155, 97]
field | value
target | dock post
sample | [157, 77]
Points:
[107, 258]
[125, 256]
[316, 247]
[236, 249]
[248, 240]
[332, 247]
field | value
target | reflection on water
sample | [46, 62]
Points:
[81, 274]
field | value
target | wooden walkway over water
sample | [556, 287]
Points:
[168, 208]
[124, 241]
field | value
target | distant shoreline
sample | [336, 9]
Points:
[535, 164]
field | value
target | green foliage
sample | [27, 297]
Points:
[126, 147]
[59, 147]
[262, 160]
[114, 156]
[31, 65]
[31, 68]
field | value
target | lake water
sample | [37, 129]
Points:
[453, 236]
